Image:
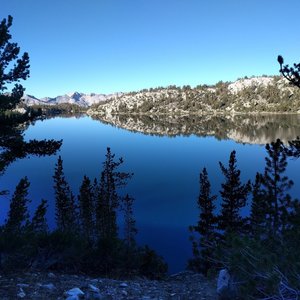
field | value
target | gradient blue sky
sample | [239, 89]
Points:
[109, 46]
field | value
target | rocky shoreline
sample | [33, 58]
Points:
[181, 286]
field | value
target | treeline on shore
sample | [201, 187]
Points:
[63, 109]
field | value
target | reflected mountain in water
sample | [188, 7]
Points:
[250, 129]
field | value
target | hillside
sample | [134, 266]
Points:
[247, 95]
[255, 94]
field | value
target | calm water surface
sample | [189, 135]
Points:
[166, 174]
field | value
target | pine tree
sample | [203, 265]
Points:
[276, 185]
[108, 199]
[65, 208]
[95, 188]
[294, 148]
[258, 207]
[18, 215]
[12, 67]
[105, 211]
[39, 221]
[206, 227]
[86, 207]
[130, 230]
[292, 74]
[234, 195]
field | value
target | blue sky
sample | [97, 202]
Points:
[109, 46]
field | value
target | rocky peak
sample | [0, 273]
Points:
[75, 95]
[240, 84]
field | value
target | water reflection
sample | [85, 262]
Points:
[166, 170]
[251, 129]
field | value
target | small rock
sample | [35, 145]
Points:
[93, 289]
[73, 294]
[51, 275]
[48, 286]
[224, 287]
[124, 293]
[94, 296]
[21, 293]
[22, 285]
[73, 298]
[123, 285]
[93, 293]
[223, 281]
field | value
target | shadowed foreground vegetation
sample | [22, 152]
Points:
[86, 238]
[260, 251]
[14, 119]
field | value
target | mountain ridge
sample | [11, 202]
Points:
[80, 99]
[254, 94]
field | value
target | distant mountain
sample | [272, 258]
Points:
[83, 100]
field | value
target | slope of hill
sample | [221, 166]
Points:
[247, 95]
[255, 94]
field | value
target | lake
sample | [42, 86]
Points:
[166, 163]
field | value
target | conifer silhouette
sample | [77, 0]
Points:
[292, 74]
[206, 228]
[12, 67]
[294, 148]
[86, 208]
[108, 199]
[276, 185]
[39, 221]
[18, 215]
[234, 195]
[258, 211]
[65, 208]
[130, 230]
